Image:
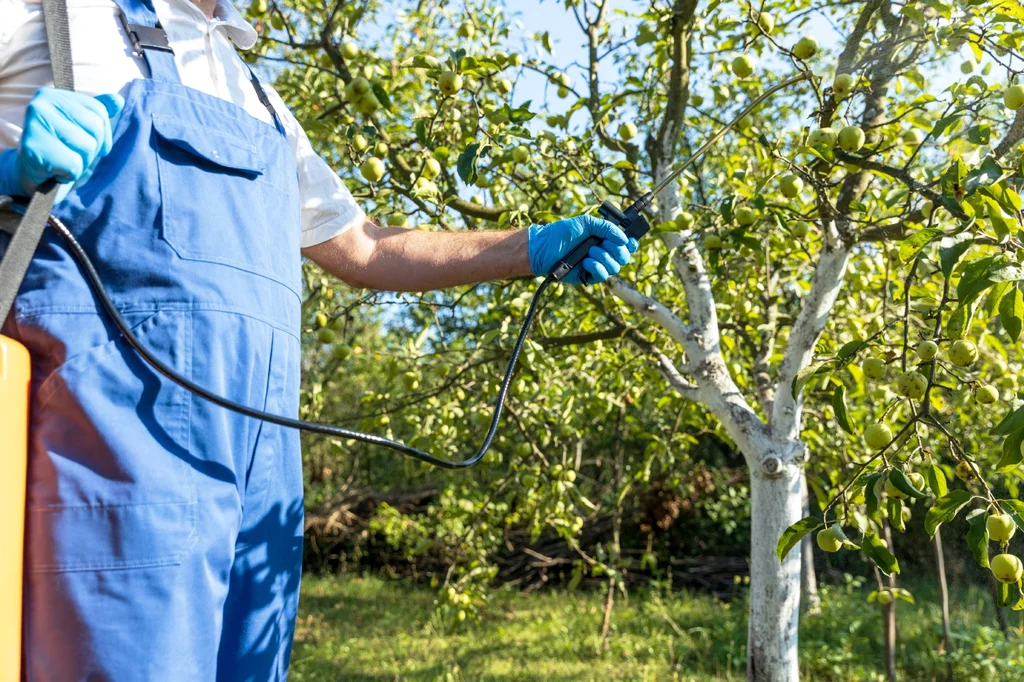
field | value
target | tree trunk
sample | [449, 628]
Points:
[889, 616]
[808, 577]
[940, 562]
[774, 586]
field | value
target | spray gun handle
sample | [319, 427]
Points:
[631, 221]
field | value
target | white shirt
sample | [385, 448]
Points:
[204, 52]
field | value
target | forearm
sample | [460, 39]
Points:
[399, 259]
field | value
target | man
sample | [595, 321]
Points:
[164, 534]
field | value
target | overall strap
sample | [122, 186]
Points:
[148, 38]
[26, 238]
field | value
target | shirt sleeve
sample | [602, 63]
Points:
[328, 208]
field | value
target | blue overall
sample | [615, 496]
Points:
[164, 534]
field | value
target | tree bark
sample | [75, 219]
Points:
[808, 577]
[940, 562]
[774, 585]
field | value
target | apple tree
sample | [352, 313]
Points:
[835, 283]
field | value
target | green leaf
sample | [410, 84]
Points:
[850, 348]
[945, 509]
[943, 123]
[795, 533]
[878, 553]
[953, 179]
[979, 134]
[900, 481]
[988, 173]
[839, 405]
[960, 320]
[895, 508]
[870, 498]
[1010, 423]
[977, 536]
[382, 96]
[1007, 272]
[1002, 224]
[467, 165]
[936, 481]
[805, 375]
[951, 249]
[1004, 594]
[913, 244]
[1015, 508]
[1011, 313]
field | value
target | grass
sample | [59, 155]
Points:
[366, 629]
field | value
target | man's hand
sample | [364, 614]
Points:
[549, 243]
[66, 133]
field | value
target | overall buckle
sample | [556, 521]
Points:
[145, 37]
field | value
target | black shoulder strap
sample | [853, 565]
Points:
[26, 238]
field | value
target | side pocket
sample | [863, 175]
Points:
[110, 481]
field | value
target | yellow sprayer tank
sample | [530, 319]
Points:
[14, 395]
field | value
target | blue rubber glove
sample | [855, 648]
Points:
[66, 133]
[549, 243]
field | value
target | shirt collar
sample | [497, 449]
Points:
[240, 31]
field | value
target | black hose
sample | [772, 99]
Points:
[108, 306]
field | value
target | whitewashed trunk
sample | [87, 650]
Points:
[774, 586]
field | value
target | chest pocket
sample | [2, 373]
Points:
[220, 203]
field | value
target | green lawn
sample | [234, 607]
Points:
[368, 628]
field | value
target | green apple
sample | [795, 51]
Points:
[449, 82]
[342, 351]
[397, 219]
[912, 137]
[349, 50]
[805, 48]
[685, 220]
[441, 153]
[843, 85]
[325, 335]
[874, 368]
[372, 169]
[411, 380]
[503, 85]
[745, 216]
[521, 154]
[515, 59]
[885, 597]
[851, 139]
[562, 92]
[986, 395]
[827, 541]
[627, 131]
[967, 66]
[562, 78]
[1013, 97]
[765, 21]
[466, 30]
[822, 137]
[912, 385]
[1006, 568]
[431, 168]
[368, 104]
[357, 89]
[742, 66]
[926, 350]
[799, 229]
[712, 242]
[380, 149]
[877, 436]
[927, 207]
[963, 353]
[1000, 527]
[792, 184]
[965, 472]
